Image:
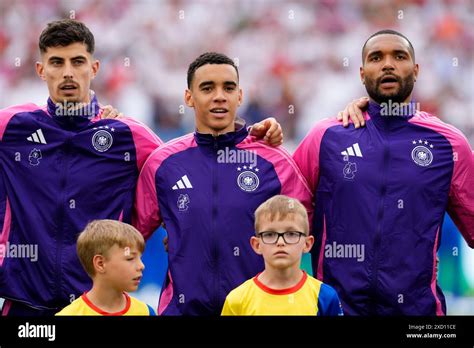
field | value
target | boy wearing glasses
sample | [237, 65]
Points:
[282, 236]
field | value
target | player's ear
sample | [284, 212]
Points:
[188, 98]
[255, 243]
[40, 70]
[95, 68]
[361, 72]
[241, 96]
[98, 261]
[308, 244]
[416, 70]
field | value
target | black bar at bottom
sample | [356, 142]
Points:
[451, 331]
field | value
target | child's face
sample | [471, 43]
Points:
[123, 268]
[282, 255]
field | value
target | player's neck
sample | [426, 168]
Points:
[277, 278]
[215, 132]
[107, 298]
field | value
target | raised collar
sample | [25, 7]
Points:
[74, 118]
[391, 116]
[223, 140]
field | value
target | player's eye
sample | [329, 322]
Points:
[291, 234]
[269, 235]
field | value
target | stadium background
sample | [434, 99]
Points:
[299, 62]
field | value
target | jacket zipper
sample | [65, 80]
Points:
[61, 214]
[380, 216]
[214, 237]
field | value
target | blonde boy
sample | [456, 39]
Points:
[282, 236]
[110, 252]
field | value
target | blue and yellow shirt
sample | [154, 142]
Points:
[83, 306]
[308, 297]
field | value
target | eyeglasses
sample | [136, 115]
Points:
[289, 237]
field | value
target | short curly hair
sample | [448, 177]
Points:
[209, 58]
[390, 32]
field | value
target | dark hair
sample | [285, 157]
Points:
[65, 32]
[209, 58]
[390, 32]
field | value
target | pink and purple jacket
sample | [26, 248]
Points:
[381, 193]
[207, 199]
[58, 173]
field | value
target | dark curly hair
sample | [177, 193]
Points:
[209, 58]
[391, 32]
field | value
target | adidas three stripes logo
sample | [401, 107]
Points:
[183, 183]
[353, 150]
[37, 137]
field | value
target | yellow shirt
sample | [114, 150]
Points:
[83, 306]
[309, 297]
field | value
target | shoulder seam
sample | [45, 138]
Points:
[287, 156]
[165, 146]
[438, 121]
[142, 125]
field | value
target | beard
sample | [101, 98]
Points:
[399, 96]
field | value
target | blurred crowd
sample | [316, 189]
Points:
[299, 60]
